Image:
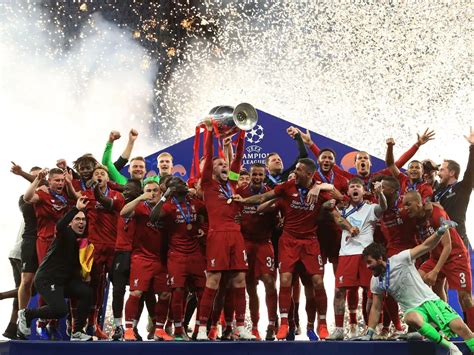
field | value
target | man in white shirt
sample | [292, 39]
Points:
[351, 269]
[399, 277]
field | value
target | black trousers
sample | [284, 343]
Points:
[56, 307]
[120, 279]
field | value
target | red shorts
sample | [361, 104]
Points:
[261, 259]
[352, 271]
[42, 246]
[292, 250]
[330, 244]
[103, 257]
[186, 270]
[146, 274]
[457, 271]
[226, 251]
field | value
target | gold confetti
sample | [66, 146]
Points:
[83, 7]
[171, 52]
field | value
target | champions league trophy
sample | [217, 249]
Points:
[227, 120]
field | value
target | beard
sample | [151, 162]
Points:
[378, 270]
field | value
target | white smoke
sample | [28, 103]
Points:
[57, 103]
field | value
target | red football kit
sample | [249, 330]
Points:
[329, 233]
[257, 231]
[49, 209]
[225, 248]
[457, 269]
[125, 234]
[298, 241]
[147, 268]
[425, 190]
[399, 230]
[185, 259]
[102, 227]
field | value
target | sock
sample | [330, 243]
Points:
[352, 297]
[271, 300]
[469, 318]
[392, 308]
[161, 311]
[177, 307]
[229, 307]
[470, 344]
[364, 306]
[321, 300]
[254, 310]
[239, 305]
[353, 316]
[321, 320]
[339, 320]
[291, 314]
[117, 322]
[205, 304]
[432, 334]
[131, 310]
[311, 309]
[285, 301]
[297, 314]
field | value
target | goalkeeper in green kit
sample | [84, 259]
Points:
[398, 277]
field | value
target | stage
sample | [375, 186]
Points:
[228, 348]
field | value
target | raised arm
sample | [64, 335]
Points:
[63, 223]
[107, 159]
[421, 139]
[129, 209]
[17, 170]
[382, 206]
[157, 211]
[468, 178]
[105, 201]
[30, 195]
[237, 161]
[208, 152]
[390, 160]
[125, 156]
[431, 242]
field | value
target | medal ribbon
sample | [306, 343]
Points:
[353, 210]
[331, 176]
[187, 215]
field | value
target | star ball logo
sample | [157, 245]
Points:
[253, 152]
[255, 135]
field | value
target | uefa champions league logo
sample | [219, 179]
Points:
[255, 135]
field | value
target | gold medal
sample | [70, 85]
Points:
[189, 226]
[229, 201]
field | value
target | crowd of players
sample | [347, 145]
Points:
[203, 244]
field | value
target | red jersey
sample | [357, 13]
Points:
[427, 227]
[49, 209]
[425, 190]
[339, 181]
[326, 224]
[102, 223]
[254, 226]
[176, 218]
[368, 178]
[300, 216]
[125, 234]
[398, 229]
[148, 241]
[222, 215]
